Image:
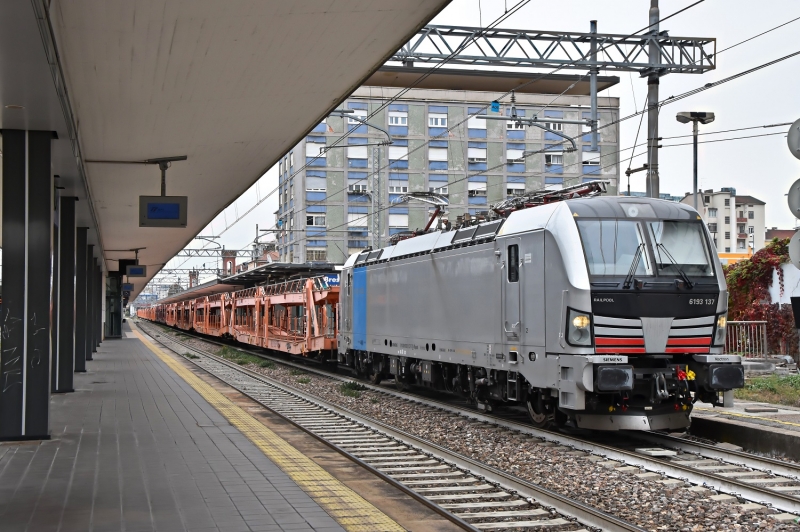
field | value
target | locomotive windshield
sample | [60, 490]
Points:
[615, 247]
[620, 248]
[680, 246]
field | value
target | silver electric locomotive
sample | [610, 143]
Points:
[606, 311]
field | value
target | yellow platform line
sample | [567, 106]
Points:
[343, 504]
[748, 416]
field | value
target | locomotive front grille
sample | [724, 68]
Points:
[653, 335]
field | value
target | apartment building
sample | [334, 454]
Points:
[736, 223]
[439, 144]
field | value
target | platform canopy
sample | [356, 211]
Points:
[230, 84]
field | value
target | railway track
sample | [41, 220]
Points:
[471, 494]
[735, 475]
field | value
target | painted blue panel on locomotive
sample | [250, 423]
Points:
[360, 308]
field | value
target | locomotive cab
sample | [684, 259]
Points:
[657, 310]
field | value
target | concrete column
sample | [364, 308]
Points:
[27, 255]
[64, 361]
[81, 320]
[90, 302]
[54, 305]
[98, 272]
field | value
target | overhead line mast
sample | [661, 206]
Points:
[652, 54]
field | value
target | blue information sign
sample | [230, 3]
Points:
[163, 211]
[332, 279]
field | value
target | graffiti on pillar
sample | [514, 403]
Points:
[40, 342]
[12, 362]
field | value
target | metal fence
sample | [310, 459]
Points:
[746, 338]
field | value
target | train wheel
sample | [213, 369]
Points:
[375, 377]
[399, 384]
[541, 416]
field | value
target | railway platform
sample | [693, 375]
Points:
[754, 426]
[147, 442]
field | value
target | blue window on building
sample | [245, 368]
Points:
[315, 196]
[315, 139]
[357, 198]
[395, 230]
[316, 243]
[517, 134]
[394, 197]
[591, 169]
[549, 135]
[549, 113]
[437, 143]
[316, 173]
[516, 167]
[316, 161]
[553, 180]
[437, 131]
[477, 167]
[316, 208]
[398, 176]
[398, 131]
[356, 163]
[477, 200]
[357, 105]
[478, 179]
[476, 133]
[357, 243]
[437, 165]
[322, 127]
[437, 178]
[398, 210]
[515, 179]
[357, 141]
[400, 107]
[399, 164]
[437, 109]
[477, 145]
[554, 168]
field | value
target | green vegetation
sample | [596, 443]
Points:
[294, 371]
[266, 364]
[352, 389]
[304, 380]
[778, 389]
[190, 355]
[237, 357]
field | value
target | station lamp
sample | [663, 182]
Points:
[695, 118]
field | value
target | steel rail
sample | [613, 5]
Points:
[781, 501]
[578, 510]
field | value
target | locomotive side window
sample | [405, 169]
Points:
[513, 263]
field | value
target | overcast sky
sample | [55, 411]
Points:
[761, 167]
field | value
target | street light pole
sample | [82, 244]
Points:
[694, 131]
[695, 118]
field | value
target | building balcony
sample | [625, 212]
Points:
[742, 236]
[741, 220]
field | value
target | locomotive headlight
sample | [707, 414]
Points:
[719, 332]
[581, 321]
[579, 331]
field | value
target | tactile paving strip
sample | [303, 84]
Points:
[347, 507]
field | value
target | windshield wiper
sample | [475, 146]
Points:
[684, 277]
[634, 264]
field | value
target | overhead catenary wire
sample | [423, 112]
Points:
[449, 129]
[681, 96]
[597, 173]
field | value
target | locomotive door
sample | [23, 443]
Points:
[512, 318]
